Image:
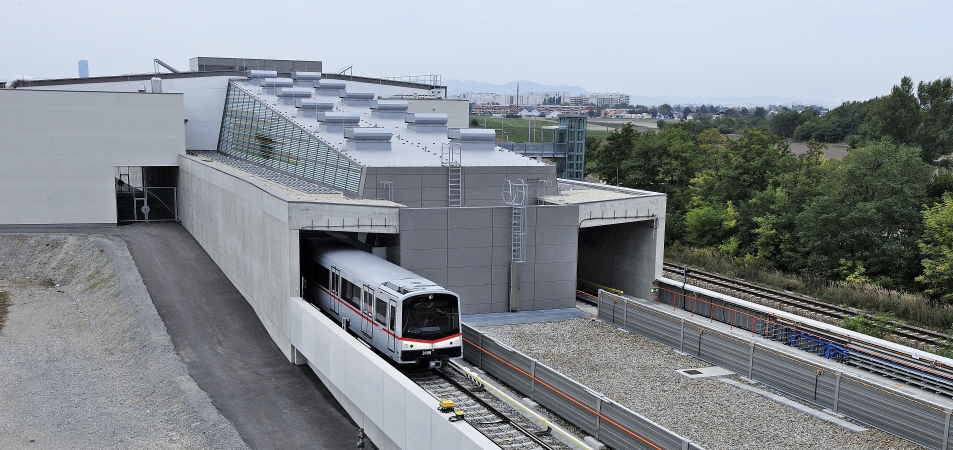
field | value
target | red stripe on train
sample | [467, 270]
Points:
[384, 329]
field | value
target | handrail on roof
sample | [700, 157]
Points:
[158, 62]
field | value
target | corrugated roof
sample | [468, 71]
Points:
[408, 148]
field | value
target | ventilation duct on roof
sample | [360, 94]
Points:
[305, 79]
[389, 109]
[336, 121]
[277, 82]
[256, 74]
[426, 122]
[332, 88]
[362, 99]
[268, 85]
[309, 107]
[289, 94]
[473, 138]
[367, 138]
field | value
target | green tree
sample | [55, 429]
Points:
[612, 160]
[775, 209]
[740, 168]
[709, 225]
[665, 110]
[934, 133]
[894, 117]
[937, 249]
[867, 215]
[784, 123]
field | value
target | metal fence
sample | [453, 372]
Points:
[922, 422]
[146, 204]
[609, 422]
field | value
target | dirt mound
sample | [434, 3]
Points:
[85, 360]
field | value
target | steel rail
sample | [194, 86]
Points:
[519, 437]
[804, 302]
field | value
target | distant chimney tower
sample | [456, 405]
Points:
[83, 68]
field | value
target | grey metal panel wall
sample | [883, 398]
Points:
[617, 426]
[824, 389]
[507, 374]
[726, 352]
[918, 422]
[583, 415]
[616, 436]
[472, 343]
[784, 373]
[657, 327]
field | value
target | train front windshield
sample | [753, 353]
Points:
[431, 316]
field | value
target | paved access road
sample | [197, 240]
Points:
[271, 402]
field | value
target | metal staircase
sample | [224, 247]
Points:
[450, 156]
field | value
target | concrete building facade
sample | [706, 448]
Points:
[265, 159]
[60, 151]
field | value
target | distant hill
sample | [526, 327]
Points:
[457, 87]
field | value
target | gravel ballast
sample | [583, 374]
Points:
[639, 374]
[85, 360]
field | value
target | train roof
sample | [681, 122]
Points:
[372, 269]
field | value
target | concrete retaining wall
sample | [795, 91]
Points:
[244, 228]
[394, 412]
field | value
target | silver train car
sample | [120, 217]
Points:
[406, 318]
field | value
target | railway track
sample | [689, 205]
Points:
[508, 430]
[770, 297]
[587, 297]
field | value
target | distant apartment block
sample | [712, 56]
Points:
[483, 109]
[600, 100]
[526, 99]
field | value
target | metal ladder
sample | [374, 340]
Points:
[514, 194]
[450, 156]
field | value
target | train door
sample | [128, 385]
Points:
[367, 305]
[335, 290]
[392, 324]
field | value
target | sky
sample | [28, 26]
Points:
[831, 51]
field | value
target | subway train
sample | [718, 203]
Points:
[406, 318]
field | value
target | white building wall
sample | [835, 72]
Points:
[59, 151]
[203, 104]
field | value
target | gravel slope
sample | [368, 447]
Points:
[639, 373]
[85, 360]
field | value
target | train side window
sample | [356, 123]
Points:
[393, 317]
[351, 293]
[334, 283]
[380, 312]
[321, 275]
[346, 288]
[368, 301]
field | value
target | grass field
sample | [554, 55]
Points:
[521, 130]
